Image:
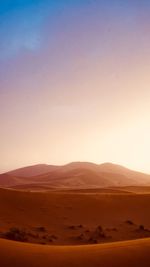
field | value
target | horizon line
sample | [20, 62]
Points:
[71, 162]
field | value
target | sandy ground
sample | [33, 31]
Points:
[131, 253]
[70, 218]
[135, 189]
[92, 228]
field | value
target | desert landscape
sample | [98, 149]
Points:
[74, 133]
[81, 212]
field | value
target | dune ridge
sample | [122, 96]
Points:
[80, 214]
[128, 253]
[74, 175]
[74, 217]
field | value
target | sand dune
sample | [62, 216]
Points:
[81, 214]
[135, 189]
[74, 218]
[7, 180]
[74, 175]
[34, 170]
[63, 228]
[132, 253]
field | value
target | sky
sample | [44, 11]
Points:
[74, 82]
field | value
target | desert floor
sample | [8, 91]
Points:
[109, 227]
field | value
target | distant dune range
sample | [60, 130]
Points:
[75, 175]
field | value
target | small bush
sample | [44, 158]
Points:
[72, 227]
[141, 227]
[111, 229]
[41, 229]
[100, 228]
[53, 237]
[80, 237]
[98, 233]
[93, 240]
[129, 222]
[80, 226]
[16, 234]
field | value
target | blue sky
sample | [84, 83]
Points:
[22, 22]
[74, 73]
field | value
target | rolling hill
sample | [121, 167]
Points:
[73, 175]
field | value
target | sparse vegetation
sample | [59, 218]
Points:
[44, 236]
[99, 232]
[72, 227]
[53, 237]
[97, 235]
[129, 222]
[141, 227]
[50, 240]
[33, 235]
[92, 240]
[80, 237]
[80, 226]
[16, 234]
[41, 229]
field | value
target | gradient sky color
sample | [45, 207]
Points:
[74, 82]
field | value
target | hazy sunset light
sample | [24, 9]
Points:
[74, 82]
[74, 133]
